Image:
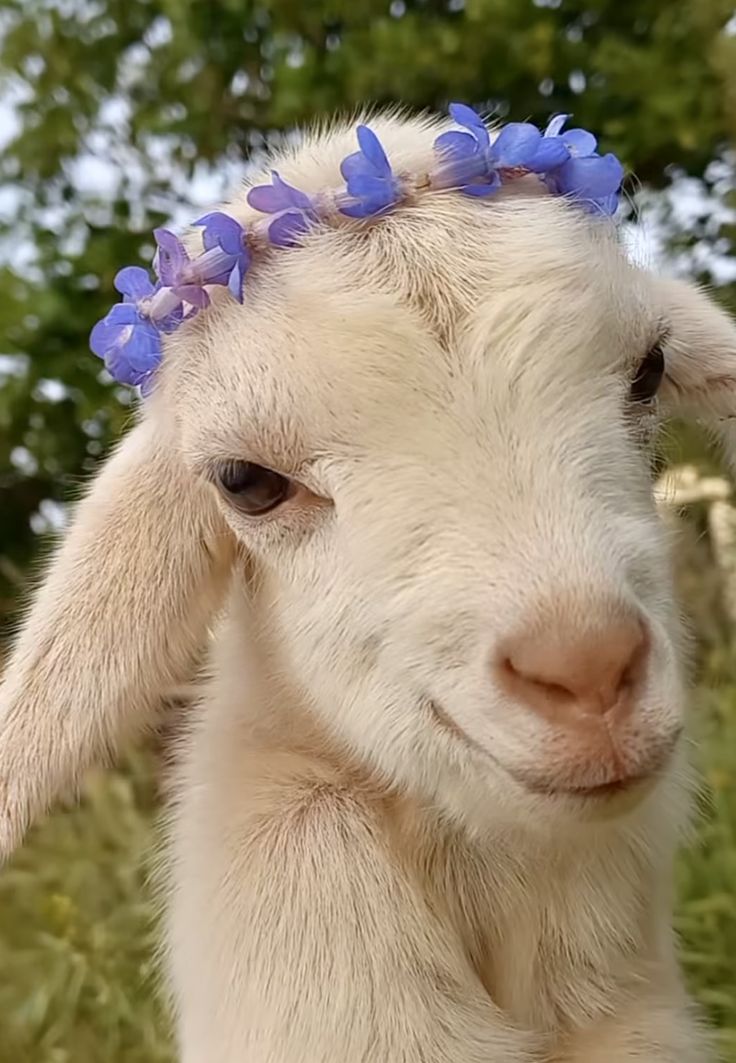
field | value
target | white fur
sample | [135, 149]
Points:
[362, 865]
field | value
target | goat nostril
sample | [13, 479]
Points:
[555, 691]
[566, 673]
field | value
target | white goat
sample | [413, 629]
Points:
[429, 803]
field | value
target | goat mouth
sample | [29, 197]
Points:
[600, 792]
[636, 782]
[634, 785]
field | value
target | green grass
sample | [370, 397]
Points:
[706, 917]
[77, 934]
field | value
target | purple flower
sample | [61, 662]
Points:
[515, 146]
[548, 153]
[466, 164]
[567, 161]
[369, 178]
[176, 270]
[226, 259]
[584, 175]
[294, 209]
[594, 179]
[476, 166]
[136, 286]
[128, 339]
[579, 142]
[128, 343]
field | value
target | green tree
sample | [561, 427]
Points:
[126, 110]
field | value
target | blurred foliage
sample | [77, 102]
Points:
[164, 95]
[706, 915]
[77, 939]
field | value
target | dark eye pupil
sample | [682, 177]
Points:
[648, 376]
[252, 488]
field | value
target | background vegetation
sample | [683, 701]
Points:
[118, 114]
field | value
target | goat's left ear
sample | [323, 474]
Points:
[700, 354]
[700, 360]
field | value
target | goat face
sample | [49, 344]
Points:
[459, 559]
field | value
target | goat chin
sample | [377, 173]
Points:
[393, 832]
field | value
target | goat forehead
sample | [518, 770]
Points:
[345, 334]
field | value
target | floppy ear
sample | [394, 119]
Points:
[700, 360]
[122, 611]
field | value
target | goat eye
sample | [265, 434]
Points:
[645, 384]
[252, 488]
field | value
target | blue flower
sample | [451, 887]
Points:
[465, 156]
[515, 146]
[294, 209]
[177, 271]
[369, 178]
[136, 286]
[128, 338]
[585, 175]
[595, 180]
[226, 259]
[567, 161]
[129, 344]
[477, 166]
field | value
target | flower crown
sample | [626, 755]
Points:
[128, 338]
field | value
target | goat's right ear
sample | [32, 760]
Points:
[120, 616]
[700, 360]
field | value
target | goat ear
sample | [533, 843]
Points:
[120, 616]
[700, 360]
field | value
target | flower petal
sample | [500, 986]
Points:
[171, 256]
[222, 231]
[369, 178]
[466, 116]
[606, 205]
[122, 314]
[579, 142]
[143, 349]
[194, 294]
[373, 193]
[550, 154]
[103, 337]
[287, 227]
[120, 368]
[367, 185]
[555, 125]
[106, 333]
[134, 282]
[371, 147]
[590, 178]
[266, 198]
[235, 282]
[456, 144]
[172, 320]
[353, 165]
[294, 197]
[515, 145]
[136, 352]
